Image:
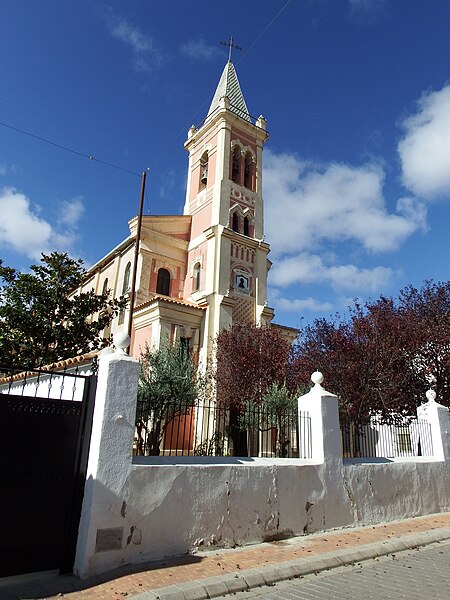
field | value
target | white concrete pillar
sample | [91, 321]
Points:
[322, 407]
[101, 531]
[439, 418]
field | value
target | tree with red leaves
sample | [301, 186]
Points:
[429, 310]
[386, 355]
[253, 378]
[248, 360]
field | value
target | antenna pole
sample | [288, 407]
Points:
[136, 255]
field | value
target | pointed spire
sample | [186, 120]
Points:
[229, 87]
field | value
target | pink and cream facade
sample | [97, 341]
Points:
[206, 269]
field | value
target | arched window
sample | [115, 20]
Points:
[248, 171]
[236, 165]
[203, 172]
[246, 226]
[126, 279]
[196, 277]
[163, 282]
[185, 345]
[235, 222]
[105, 292]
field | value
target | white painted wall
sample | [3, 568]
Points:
[158, 507]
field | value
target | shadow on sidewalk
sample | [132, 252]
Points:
[33, 586]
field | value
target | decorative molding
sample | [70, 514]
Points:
[245, 195]
[244, 148]
[195, 261]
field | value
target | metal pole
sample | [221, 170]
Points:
[136, 255]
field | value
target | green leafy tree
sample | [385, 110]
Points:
[276, 412]
[169, 386]
[43, 321]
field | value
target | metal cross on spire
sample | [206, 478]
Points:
[230, 46]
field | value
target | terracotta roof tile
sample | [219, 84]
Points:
[171, 301]
[61, 364]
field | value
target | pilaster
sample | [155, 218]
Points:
[439, 418]
[109, 462]
[322, 408]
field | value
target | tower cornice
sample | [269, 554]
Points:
[223, 116]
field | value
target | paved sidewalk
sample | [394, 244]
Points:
[218, 572]
[413, 574]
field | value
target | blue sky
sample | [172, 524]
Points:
[357, 98]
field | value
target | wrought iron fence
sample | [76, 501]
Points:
[402, 438]
[67, 383]
[206, 429]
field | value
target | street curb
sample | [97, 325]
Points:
[228, 583]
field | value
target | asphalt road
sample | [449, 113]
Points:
[421, 573]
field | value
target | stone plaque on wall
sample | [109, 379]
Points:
[109, 539]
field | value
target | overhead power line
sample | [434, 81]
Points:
[282, 9]
[202, 106]
[67, 149]
[117, 167]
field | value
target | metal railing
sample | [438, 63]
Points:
[53, 383]
[206, 429]
[403, 438]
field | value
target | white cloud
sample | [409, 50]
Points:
[367, 5]
[7, 169]
[68, 216]
[302, 304]
[199, 50]
[308, 204]
[323, 220]
[70, 212]
[307, 268]
[425, 148]
[168, 184]
[316, 215]
[146, 54]
[366, 10]
[20, 226]
[25, 232]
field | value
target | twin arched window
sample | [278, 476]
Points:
[246, 226]
[243, 168]
[163, 282]
[236, 165]
[248, 171]
[236, 224]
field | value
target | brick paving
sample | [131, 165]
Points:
[413, 574]
[126, 583]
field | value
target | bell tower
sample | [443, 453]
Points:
[227, 256]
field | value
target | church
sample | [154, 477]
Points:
[205, 270]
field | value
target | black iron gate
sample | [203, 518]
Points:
[45, 428]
